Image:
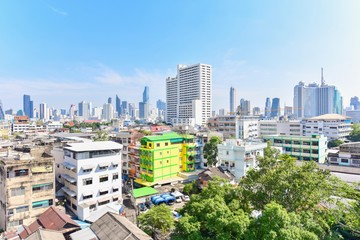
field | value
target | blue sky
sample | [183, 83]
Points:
[63, 52]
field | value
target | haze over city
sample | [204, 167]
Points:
[65, 52]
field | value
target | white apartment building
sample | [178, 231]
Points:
[192, 83]
[279, 127]
[332, 126]
[238, 156]
[92, 176]
[232, 126]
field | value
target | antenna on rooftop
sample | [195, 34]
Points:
[322, 77]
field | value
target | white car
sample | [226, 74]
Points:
[178, 200]
[186, 198]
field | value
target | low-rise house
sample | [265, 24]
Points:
[109, 227]
[142, 195]
[45, 234]
[348, 154]
[52, 219]
[212, 172]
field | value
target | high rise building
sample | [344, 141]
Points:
[275, 107]
[315, 100]
[72, 111]
[124, 107]
[28, 106]
[83, 110]
[132, 110]
[256, 111]
[108, 112]
[188, 95]
[161, 105]
[118, 106]
[2, 115]
[244, 108]
[146, 95]
[355, 103]
[109, 100]
[267, 107]
[9, 111]
[44, 113]
[232, 100]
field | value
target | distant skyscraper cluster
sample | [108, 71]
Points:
[315, 100]
[189, 95]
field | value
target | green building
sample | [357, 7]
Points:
[163, 156]
[301, 147]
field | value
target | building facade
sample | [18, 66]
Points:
[192, 84]
[333, 126]
[27, 186]
[280, 127]
[347, 155]
[233, 126]
[164, 156]
[92, 176]
[238, 156]
[302, 147]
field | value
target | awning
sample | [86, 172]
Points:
[69, 192]
[68, 178]
[42, 169]
[42, 185]
[69, 165]
[87, 193]
[87, 167]
[104, 199]
[114, 163]
[104, 189]
[104, 164]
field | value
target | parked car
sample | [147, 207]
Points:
[149, 204]
[186, 198]
[176, 215]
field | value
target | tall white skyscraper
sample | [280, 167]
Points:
[44, 112]
[108, 112]
[189, 95]
[232, 100]
[315, 100]
[83, 110]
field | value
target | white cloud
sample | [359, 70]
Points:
[55, 10]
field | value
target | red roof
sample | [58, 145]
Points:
[52, 219]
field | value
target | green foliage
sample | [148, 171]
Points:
[355, 133]
[157, 221]
[294, 202]
[211, 150]
[101, 136]
[145, 132]
[335, 143]
[191, 188]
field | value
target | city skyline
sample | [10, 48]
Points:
[261, 49]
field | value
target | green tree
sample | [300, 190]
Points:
[190, 188]
[335, 143]
[355, 133]
[211, 150]
[158, 221]
[101, 136]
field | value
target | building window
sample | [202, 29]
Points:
[21, 172]
[92, 206]
[166, 144]
[74, 206]
[87, 170]
[41, 204]
[22, 209]
[103, 167]
[87, 181]
[158, 144]
[42, 187]
[115, 189]
[103, 178]
[115, 199]
[104, 192]
[115, 165]
[87, 196]
[115, 176]
[344, 160]
[17, 191]
[104, 202]
[14, 223]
